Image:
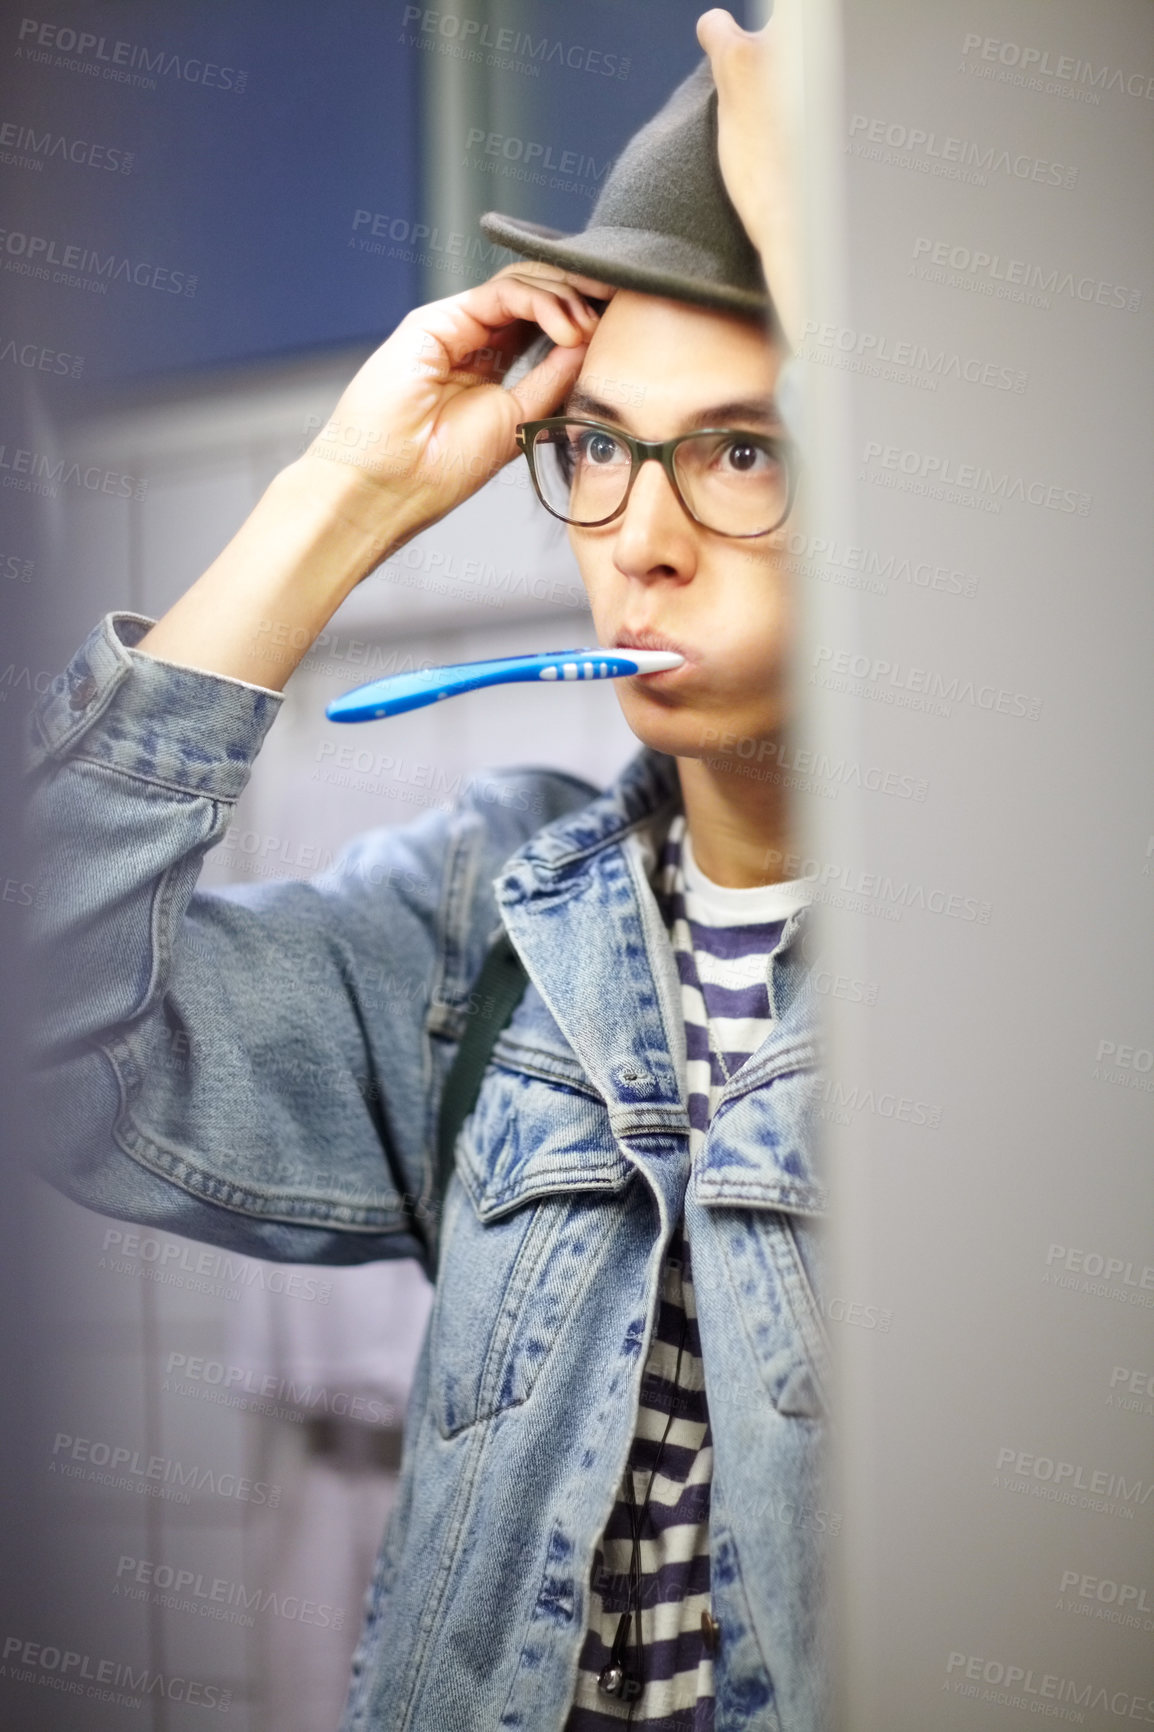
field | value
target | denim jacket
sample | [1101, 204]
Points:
[261, 1068]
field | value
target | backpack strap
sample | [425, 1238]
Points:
[496, 993]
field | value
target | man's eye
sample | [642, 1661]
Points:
[597, 448]
[746, 457]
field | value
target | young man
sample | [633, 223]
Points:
[610, 1509]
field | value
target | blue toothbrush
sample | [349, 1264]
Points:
[401, 692]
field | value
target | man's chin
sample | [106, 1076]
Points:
[729, 741]
[678, 732]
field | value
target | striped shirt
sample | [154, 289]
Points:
[722, 941]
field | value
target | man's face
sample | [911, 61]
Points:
[656, 579]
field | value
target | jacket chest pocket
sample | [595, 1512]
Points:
[760, 1186]
[771, 1260]
[528, 1223]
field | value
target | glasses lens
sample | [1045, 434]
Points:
[735, 483]
[582, 472]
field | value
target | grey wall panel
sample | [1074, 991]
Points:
[979, 639]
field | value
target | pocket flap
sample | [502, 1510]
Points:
[528, 1138]
[762, 1151]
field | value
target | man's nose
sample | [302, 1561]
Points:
[656, 536]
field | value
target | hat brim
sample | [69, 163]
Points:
[638, 259]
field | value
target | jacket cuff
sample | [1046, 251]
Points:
[191, 730]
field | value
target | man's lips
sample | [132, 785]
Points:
[654, 640]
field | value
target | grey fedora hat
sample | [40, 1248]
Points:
[663, 222]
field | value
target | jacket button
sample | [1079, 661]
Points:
[82, 693]
[710, 1633]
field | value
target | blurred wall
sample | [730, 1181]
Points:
[979, 614]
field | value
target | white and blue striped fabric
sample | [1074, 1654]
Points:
[723, 940]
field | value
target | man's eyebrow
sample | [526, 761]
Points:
[743, 411]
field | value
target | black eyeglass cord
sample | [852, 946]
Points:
[616, 1675]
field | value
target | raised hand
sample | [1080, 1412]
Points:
[757, 75]
[426, 420]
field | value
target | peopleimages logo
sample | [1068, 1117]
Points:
[1070, 1482]
[265, 1392]
[103, 1680]
[39, 358]
[119, 61]
[536, 160]
[25, 147]
[41, 472]
[1130, 1604]
[202, 1260]
[1045, 1693]
[868, 568]
[911, 687]
[902, 360]
[441, 784]
[513, 50]
[928, 152]
[453, 243]
[1097, 1272]
[1016, 279]
[126, 1469]
[188, 1590]
[1138, 1387]
[874, 892]
[808, 763]
[1038, 63]
[942, 476]
[1125, 1065]
[840, 1101]
[80, 266]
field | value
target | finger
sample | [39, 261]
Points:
[486, 421]
[716, 29]
[565, 289]
[584, 298]
[505, 301]
[500, 352]
[450, 330]
[589, 286]
[503, 349]
[545, 387]
[565, 321]
[727, 44]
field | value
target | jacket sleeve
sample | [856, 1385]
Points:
[251, 1067]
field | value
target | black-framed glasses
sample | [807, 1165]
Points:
[729, 480]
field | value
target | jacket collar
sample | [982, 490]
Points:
[579, 910]
[647, 786]
[576, 905]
